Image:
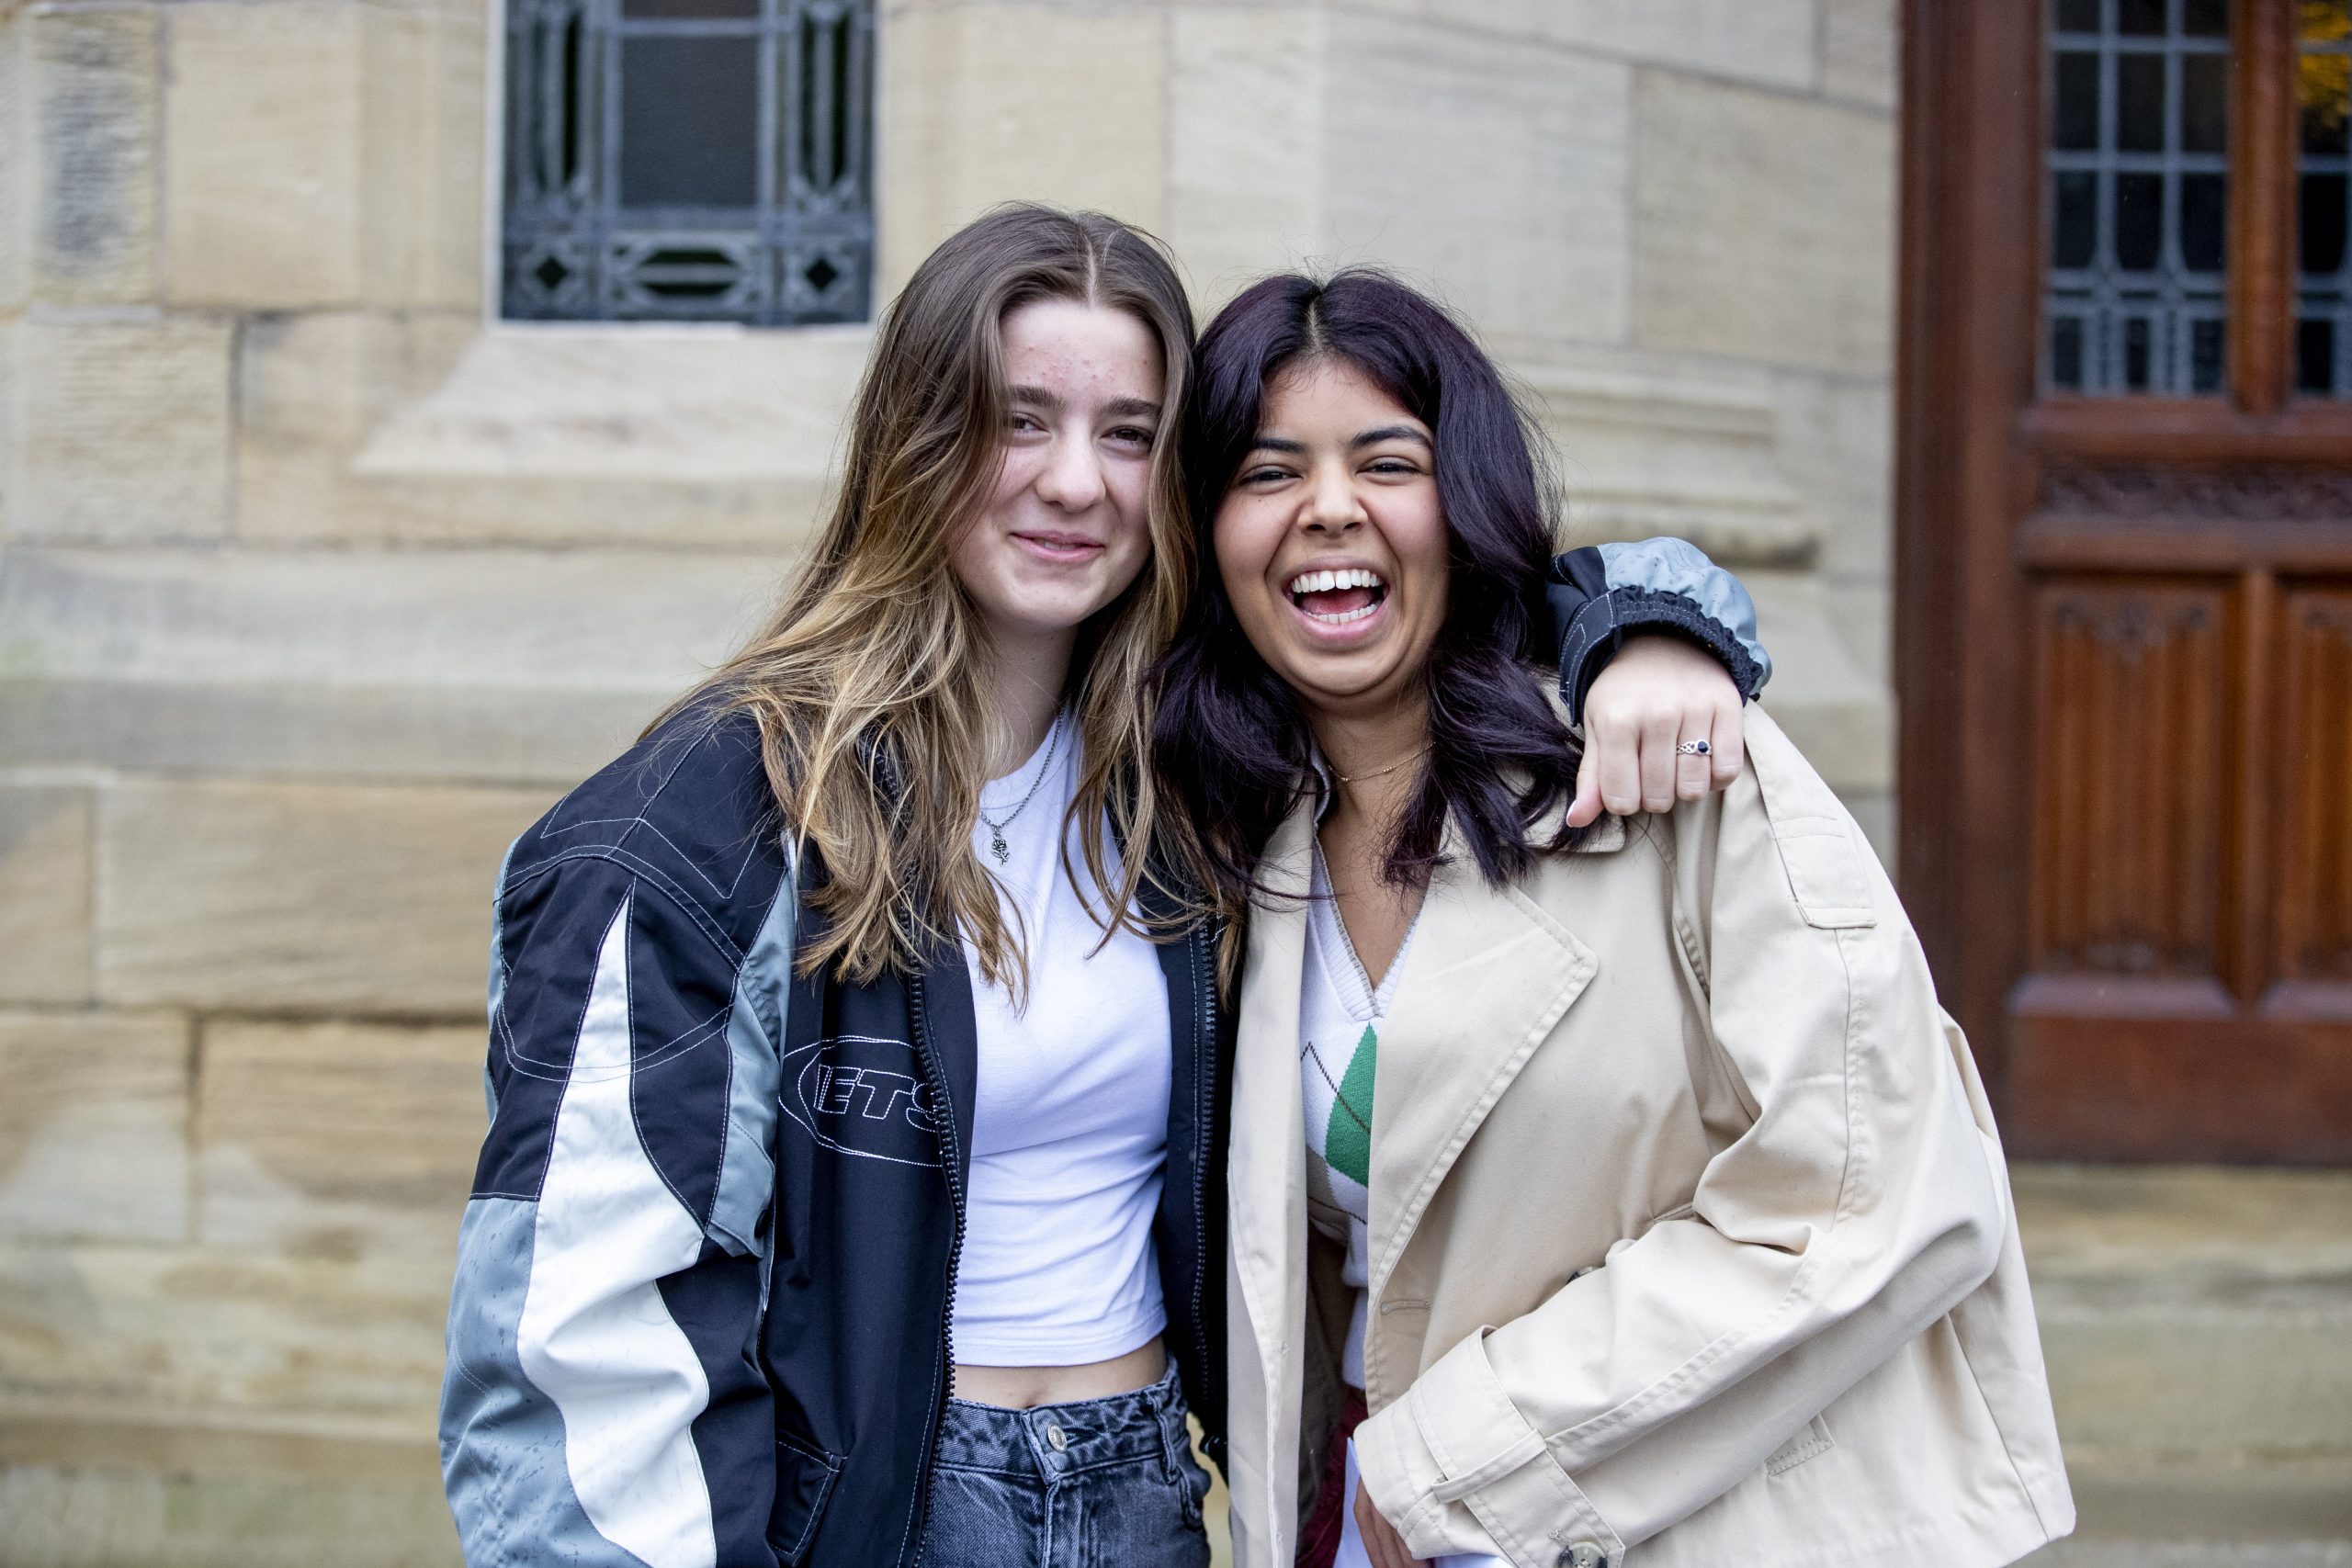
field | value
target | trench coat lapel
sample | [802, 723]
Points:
[1486, 977]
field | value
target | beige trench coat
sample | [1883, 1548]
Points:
[1692, 1242]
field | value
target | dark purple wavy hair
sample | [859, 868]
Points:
[1231, 742]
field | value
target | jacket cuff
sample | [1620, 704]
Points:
[1601, 623]
[1456, 1443]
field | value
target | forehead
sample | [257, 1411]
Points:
[1067, 345]
[1329, 394]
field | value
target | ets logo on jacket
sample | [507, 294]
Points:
[862, 1096]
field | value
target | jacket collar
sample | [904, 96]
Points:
[1488, 976]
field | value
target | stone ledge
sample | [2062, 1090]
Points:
[678, 404]
[1654, 448]
[438, 429]
[2213, 1502]
[479, 665]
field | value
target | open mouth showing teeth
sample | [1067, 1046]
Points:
[1336, 598]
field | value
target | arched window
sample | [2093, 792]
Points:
[689, 160]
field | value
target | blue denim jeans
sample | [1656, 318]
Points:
[1095, 1484]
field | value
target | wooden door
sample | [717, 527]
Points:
[2124, 565]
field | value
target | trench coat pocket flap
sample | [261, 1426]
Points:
[1809, 1443]
[1825, 870]
[804, 1479]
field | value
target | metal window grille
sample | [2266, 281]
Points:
[2324, 267]
[2137, 196]
[689, 160]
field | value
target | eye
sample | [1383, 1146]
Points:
[1393, 468]
[1024, 424]
[1134, 435]
[1263, 474]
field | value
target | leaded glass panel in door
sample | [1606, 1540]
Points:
[2137, 196]
[689, 160]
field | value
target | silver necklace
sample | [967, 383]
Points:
[996, 846]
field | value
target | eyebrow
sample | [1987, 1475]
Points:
[1368, 438]
[1054, 403]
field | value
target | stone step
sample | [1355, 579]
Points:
[2193, 1314]
[2198, 1324]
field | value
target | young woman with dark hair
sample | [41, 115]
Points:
[1591, 1188]
[854, 1185]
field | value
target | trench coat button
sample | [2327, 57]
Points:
[1584, 1555]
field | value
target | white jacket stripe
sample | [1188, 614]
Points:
[595, 1334]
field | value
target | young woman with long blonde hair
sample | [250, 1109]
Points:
[854, 1191]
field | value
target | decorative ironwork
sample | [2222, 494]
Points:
[689, 160]
[2197, 494]
[2138, 197]
[2323, 261]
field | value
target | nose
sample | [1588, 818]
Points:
[1072, 478]
[1331, 505]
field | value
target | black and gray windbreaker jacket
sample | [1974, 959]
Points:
[703, 1281]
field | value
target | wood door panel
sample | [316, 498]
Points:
[2087, 1084]
[2312, 851]
[2128, 741]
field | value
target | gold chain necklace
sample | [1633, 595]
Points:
[1377, 772]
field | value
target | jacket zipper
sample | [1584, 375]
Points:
[1204, 1144]
[953, 1163]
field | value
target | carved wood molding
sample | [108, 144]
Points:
[2234, 495]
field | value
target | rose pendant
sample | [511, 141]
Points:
[999, 848]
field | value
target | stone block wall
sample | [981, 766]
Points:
[317, 583]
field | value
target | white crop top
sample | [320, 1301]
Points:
[1069, 1126]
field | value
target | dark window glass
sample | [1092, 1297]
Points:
[2139, 222]
[2073, 235]
[2079, 16]
[2321, 210]
[2066, 353]
[2316, 355]
[2204, 221]
[690, 122]
[2143, 17]
[2074, 119]
[2206, 18]
[689, 159]
[2205, 357]
[2135, 352]
[2139, 103]
[2204, 103]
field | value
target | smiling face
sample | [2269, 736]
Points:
[1067, 528]
[1331, 542]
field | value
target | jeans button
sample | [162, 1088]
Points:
[1056, 1435]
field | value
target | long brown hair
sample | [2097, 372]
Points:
[868, 682]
